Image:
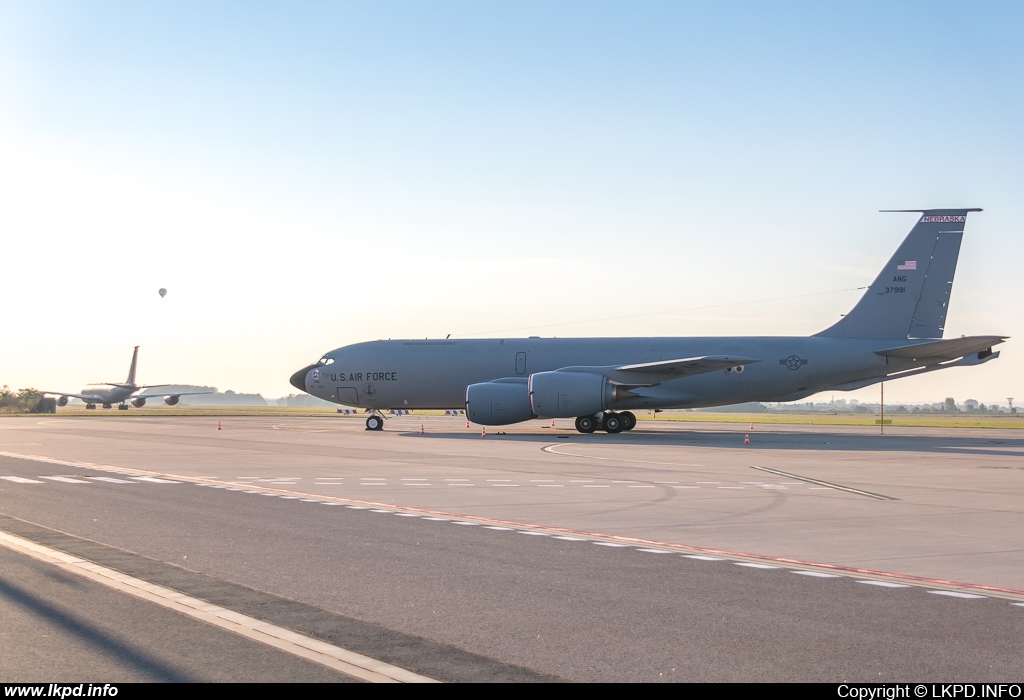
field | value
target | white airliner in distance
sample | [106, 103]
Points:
[894, 331]
[107, 394]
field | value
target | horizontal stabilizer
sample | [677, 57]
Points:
[941, 350]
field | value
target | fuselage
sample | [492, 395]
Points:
[434, 374]
[107, 394]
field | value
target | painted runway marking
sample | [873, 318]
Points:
[66, 479]
[596, 486]
[611, 544]
[531, 532]
[826, 484]
[957, 594]
[653, 551]
[497, 527]
[580, 535]
[112, 480]
[21, 480]
[154, 480]
[885, 584]
[550, 449]
[752, 565]
[819, 574]
[288, 641]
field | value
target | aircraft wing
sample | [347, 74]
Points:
[941, 350]
[89, 398]
[168, 393]
[685, 367]
[654, 373]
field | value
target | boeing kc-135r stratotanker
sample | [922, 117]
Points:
[109, 393]
[894, 331]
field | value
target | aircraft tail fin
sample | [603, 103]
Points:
[131, 370]
[910, 296]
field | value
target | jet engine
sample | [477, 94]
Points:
[172, 400]
[139, 403]
[498, 403]
[62, 401]
[570, 394]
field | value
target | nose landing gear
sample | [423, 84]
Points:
[375, 422]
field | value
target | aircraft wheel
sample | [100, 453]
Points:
[586, 424]
[106, 405]
[613, 423]
[122, 407]
[90, 407]
[375, 423]
[628, 420]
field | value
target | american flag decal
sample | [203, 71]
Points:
[907, 265]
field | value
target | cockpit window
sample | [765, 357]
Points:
[325, 360]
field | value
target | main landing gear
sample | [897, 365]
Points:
[609, 421]
[375, 422]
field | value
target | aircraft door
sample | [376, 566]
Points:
[520, 363]
[348, 395]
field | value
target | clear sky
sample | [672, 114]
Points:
[303, 175]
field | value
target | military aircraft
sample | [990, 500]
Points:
[894, 331]
[107, 394]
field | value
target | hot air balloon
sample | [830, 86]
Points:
[163, 292]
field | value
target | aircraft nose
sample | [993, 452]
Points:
[298, 379]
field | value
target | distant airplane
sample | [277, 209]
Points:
[107, 394]
[894, 331]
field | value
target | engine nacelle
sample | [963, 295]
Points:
[569, 394]
[498, 403]
[62, 401]
[172, 400]
[138, 403]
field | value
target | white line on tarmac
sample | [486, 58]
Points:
[819, 574]
[21, 480]
[957, 594]
[288, 641]
[885, 584]
[66, 479]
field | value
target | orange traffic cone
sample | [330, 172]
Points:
[483, 432]
[751, 426]
[467, 422]
[552, 422]
[421, 429]
[746, 439]
[218, 425]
